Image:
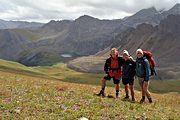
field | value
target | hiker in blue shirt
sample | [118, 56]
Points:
[143, 73]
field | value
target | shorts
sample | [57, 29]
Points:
[129, 81]
[116, 81]
[141, 81]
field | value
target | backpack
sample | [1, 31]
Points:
[151, 60]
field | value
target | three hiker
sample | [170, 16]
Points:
[130, 68]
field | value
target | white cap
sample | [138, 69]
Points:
[125, 52]
[139, 51]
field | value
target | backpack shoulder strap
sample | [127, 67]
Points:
[107, 64]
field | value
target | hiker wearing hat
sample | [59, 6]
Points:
[143, 73]
[112, 69]
[128, 73]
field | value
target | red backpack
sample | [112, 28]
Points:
[151, 60]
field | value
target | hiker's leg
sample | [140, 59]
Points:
[117, 86]
[126, 87]
[131, 87]
[127, 90]
[145, 87]
[143, 90]
[141, 82]
[148, 94]
[103, 84]
[132, 90]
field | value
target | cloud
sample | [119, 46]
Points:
[40, 10]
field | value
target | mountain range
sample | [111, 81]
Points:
[18, 24]
[162, 40]
[43, 44]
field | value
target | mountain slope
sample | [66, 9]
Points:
[15, 42]
[9, 66]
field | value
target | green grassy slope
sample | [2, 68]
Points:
[61, 72]
[39, 93]
[27, 97]
[9, 65]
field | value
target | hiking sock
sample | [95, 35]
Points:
[150, 100]
[101, 92]
[102, 89]
[127, 96]
[103, 86]
[117, 93]
[142, 100]
[143, 97]
[133, 99]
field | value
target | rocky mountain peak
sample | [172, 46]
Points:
[175, 9]
[147, 12]
[53, 22]
[86, 18]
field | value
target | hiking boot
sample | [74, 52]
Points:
[101, 93]
[127, 97]
[150, 100]
[117, 95]
[133, 99]
[142, 101]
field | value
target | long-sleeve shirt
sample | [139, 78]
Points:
[128, 69]
[143, 68]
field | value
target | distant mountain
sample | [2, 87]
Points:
[162, 40]
[150, 16]
[15, 42]
[84, 36]
[54, 27]
[18, 24]
[81, 37]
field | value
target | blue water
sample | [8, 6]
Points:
[66, 55]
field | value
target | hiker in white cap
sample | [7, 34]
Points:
[128, 73]
[143, 73]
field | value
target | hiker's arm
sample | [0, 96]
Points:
[134, 67]
[121, 61]
[147, 69]
[131, 58]
[106, 68]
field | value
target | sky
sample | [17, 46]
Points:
[46, 10]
